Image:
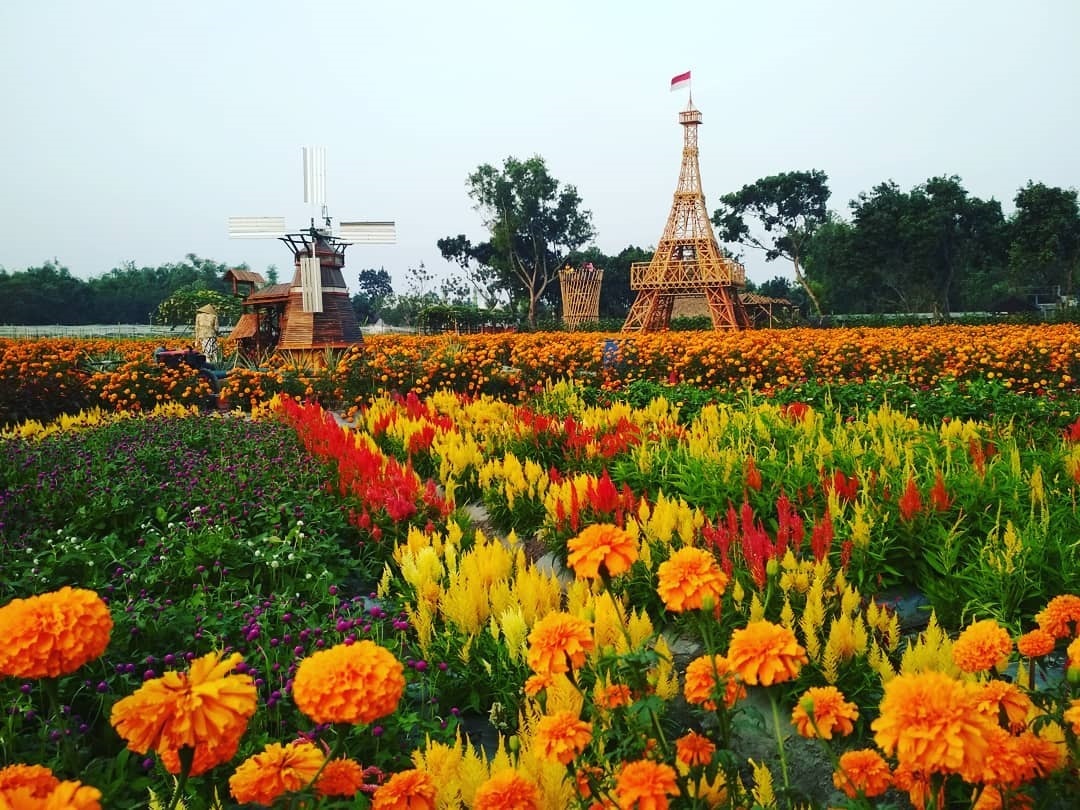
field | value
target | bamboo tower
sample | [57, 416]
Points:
[687, 262]
[580, 294]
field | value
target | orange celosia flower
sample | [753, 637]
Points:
[562, 736]
[558, 642]
[279, 769]
[863, 770]
[645, 785]
[205, 709]
[932, 723]
[406, 790]
[983, 645]
[765, 653]
[349, 683]
[1072, 716]
[507, 790]
[830, 712]
[601, 550]
[995, 697]
[340, 777]
[1035, 643]
[1061, 616]
[690, 579]
[53, 634]
[701, 687]
[694, 749]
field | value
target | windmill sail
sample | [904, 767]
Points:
[311, 284]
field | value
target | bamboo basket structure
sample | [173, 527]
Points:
[580, 294]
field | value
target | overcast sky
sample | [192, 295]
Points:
[130, 130]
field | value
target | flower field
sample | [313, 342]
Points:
[772, 569]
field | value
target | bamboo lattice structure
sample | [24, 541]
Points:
[688, 260]
[580, 294]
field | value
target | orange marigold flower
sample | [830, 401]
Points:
[1061, 616]
[705, 676]
[601, 546]
[535, 684]
[34, 786]
[863, 770]
[279, 769]
[558, 642]
[694, 749]
[562, 736]
[983, 645]
[1035, 643]
[1072, 716]
[932, 723]
[995, 697]
[991, 798]
[340, 777]
[205, 709]
[645, 785]
[830, 712]
[53, 633]
[406, 790]
[613, 696]
[1072, 654]
[1043, 754]
[690, 579]
[349, 683]
[507, 790]
[917, 785]
[765, 653]
[37, 780]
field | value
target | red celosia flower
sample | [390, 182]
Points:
[278, 770]
[1061, 616]
[645, 785]
[53, 634]
[690, 579]
[939, 496]
[349, 683]
[829, 710]
[694, 750]
[752, 474]
[910, 501]
[601, 550]
[406, 790]
[981, 646]
[562, 736]
[507, 790]
[765, 653]
[710, 677]
[862, 771]
[558, 642]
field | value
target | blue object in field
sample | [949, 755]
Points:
[609, 358]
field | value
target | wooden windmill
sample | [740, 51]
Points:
[314, 311]
[688, 261]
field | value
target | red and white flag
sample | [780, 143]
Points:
[681, 81]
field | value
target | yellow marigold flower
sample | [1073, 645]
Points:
[694, 749]
[53, 633]
[562, 736]
[205, 709]
[995, 697]
[278, 770]
[1072, 716]
[349, 683]
[765, 653]
[406, 790]
[1035, 643]
[932, 723]
[701, 687]
[558, 642]
[829, 710]
[1061, 616]
[340, 777]
[645, 785]
[862, 771]
[507, 790]
[690, 579]
[601, 546]
[981, 646]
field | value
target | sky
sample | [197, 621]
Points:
[131, 130]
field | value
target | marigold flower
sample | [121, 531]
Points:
[1035, 643]
[535, 684]
[28, 787]
[701, 687]
[205, 709]
[917, 785]
[1072, 654]
[279, 769]
[340, 777]
[507, 790]
[991, 798]
[562, 736]
[765, 653]
[53, 633]
[36, 780]
[645, 785]
[406, 790]
[863, 770]
[690, 579]
[613, 696]
[1072, 716]
[601, 546]
[995, 697]
[349, 683]
[981, 646]
[829, 710]
[558, 642]
[1061, 616]
[932, 723]
[694, 749]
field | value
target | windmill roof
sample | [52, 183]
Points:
[273, 293]
[244, 275]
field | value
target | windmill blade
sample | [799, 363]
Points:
[315, 175]
[367, 233]
[256, 227]
[311, 283]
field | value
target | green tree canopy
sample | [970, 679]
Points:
[373, 290]
[180, 307]
[1045, 247]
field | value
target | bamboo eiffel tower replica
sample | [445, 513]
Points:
[687, 262]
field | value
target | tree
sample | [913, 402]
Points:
[788, 206]
[480, 279]
[373, 289]
[533, 224]
[1045, 246]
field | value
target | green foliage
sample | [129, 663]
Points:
[179, 308]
